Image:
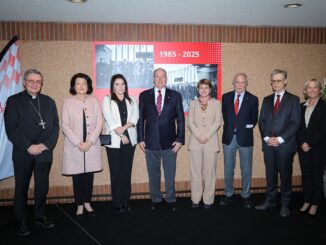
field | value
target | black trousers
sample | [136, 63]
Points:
[23, 172]
[83, 187]
[278, 162]
[312, 169]
[120, 163]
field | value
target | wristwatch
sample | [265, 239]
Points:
[121, 135]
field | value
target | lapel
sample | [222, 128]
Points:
[167, 100]
[314, 114]
[270, 104]
[231, 101]
[303, 120]
[152, 100]
[128, 110]
[244, 102]
[115, 111]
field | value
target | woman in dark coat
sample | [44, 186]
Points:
[312, 145]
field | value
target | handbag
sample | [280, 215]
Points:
[105, 139]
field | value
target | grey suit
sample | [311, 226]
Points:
[284, 123]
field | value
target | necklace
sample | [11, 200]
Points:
[204, 104]
[38, 112]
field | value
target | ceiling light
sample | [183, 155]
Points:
[78, 1]
[293, 5]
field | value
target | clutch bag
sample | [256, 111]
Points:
[105, 139]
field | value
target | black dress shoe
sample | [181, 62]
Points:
[312, 215]
[120, 209]
[225, 201]
[285, 212]
[265, 206]
[127, 207]
[23, 229]
[247, 203]
[155, 205]
[90, 213]
[172, 206]
[313, 212]
[44, 222]
[79, 216]
[303, 211]
[208, 206]
[195, 205]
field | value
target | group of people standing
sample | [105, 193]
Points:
[157, 124]
[286, 127]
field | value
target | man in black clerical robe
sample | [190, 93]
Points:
[32, 125]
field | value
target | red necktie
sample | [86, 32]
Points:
[159, 102]
[236, 104]
[277, 104]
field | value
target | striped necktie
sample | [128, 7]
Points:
[236, 104]
[159, 102]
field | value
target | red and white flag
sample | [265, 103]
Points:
[10, 83]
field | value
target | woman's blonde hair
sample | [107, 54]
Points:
[316, 82]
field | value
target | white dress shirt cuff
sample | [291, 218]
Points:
[280, 140]
[266, 139]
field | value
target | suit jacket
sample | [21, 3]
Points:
[72, 126]
[23, 129]
[160, 131]
[245, 121]
[284, 123]
[112, 120]
[315, 134]
[209, 128]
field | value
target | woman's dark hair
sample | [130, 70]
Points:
[205, 82]
[73, 83]
[113, 95]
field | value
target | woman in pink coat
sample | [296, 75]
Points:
[82, 125]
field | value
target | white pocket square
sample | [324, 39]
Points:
[249, 125]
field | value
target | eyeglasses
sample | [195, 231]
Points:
[277, 81]
[36, 82]
[240, 82]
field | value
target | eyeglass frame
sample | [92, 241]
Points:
[35, 82]
[277, 81]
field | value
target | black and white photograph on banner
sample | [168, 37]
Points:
[135, 62]
[184, 78]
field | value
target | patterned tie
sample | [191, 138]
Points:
[236, 104]
[277, 104]
[159, 102]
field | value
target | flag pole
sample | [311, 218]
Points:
[5, 49]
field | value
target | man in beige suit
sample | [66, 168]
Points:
[204, 120]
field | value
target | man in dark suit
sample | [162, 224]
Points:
[161, 132]
[240, 115]
[278, 123]
[32, 125]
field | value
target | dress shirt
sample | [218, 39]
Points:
[281, 96]
[240, 98]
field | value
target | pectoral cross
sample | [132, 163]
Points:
[42, 123]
